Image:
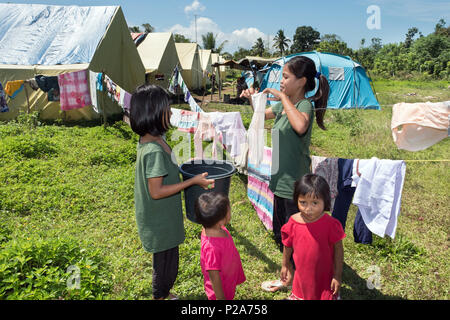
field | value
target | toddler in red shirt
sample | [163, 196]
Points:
[314, 239]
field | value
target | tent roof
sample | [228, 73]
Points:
[205, 58]
[186, 54]
[324, 58]
[33, 34]
[152, 49]
[246, 63]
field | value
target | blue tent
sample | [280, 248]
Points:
[349, 85]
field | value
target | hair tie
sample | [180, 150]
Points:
[318, 75]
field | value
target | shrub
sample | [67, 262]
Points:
[48, 269]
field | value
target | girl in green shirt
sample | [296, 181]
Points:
[157, 188]
[293, 116]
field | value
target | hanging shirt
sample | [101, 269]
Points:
[256, 129]
[74, 90]
[205, 131]
[379, 185]
[12, 88]
[3, 104]
[188, 121]
[231, 129]
[417, 126]
[126, 101]
[49, 85]
[93, 78]
[328, 169]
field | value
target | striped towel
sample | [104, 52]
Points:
[258, 190]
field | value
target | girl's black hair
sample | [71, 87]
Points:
[315, 185]
[150, 110]
[302, 66]
[210, 208]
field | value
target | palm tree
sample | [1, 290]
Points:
[281, 42]
[209, 43]
[258, 48]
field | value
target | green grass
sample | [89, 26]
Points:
[76, 182]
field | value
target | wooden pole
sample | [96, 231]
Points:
[26, 94]
[219, 84]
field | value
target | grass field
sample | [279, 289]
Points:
[70, 188]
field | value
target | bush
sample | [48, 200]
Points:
[48, 269]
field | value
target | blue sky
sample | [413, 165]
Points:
[241, 22]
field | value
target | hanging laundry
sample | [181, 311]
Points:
[93, 78]
[175, 118]
[417, 126]
[126, 101]
[3, 104]
[12, 88]
[176, 81]
[121, 97]
[345, 191]
[379, 185]
[258, 190]
[50, 85]
[173, 82]
[205, 131]
[33, 84]
[231, 128]
[191, 101]
[110, 87]
[188, 121]
[117, 94]
[256, 129]
[328, 169]
[99, 81]
[74, 90]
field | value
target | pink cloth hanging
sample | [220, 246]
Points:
[205, 131]
[74, 90]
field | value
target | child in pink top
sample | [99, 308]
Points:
[219, 259]
[314, 239]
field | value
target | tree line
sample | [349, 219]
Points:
[418, 55]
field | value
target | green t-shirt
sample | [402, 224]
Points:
[290, 152]
[159, 222]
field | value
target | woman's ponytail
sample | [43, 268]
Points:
[302, 66]
[321, 100]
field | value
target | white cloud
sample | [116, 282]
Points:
[244, 37]
[196, 6]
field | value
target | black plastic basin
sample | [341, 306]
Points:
[219, 170]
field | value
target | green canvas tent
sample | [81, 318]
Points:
[159, 56]
[192, 72]
[205, 60]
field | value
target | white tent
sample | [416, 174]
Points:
[215, 58]
[159, 56]
[190, 63]
[205, 60]
[50, 40]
